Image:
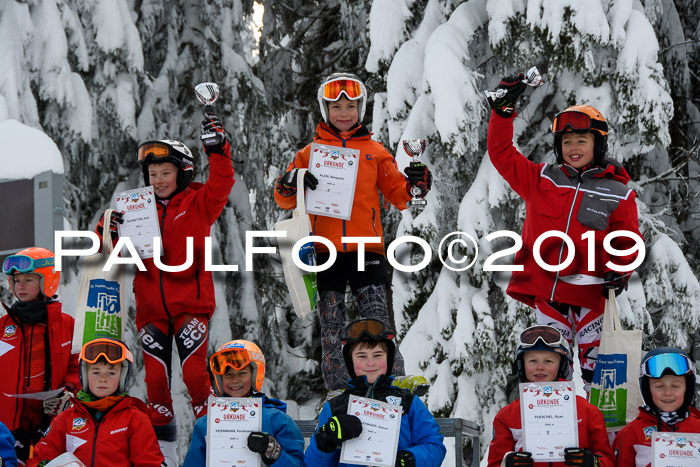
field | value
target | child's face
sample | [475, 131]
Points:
[163, 177]
[668, 392]
[541, 366]
[577, 149]
[27, 286]
[368, 362]
[343, 113]
[237, 383]
[103, 379]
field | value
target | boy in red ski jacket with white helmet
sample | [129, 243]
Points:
[584, 196]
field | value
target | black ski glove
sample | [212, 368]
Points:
[514, 87]
[116, 218]
[580, 457]
[287, 183]
[211, 125]
[338, 429]
[418, 176]
[265, 445]
[614, 281]
[518, 459]
[405, 459]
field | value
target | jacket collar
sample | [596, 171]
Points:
[610, 168]
[325, 132]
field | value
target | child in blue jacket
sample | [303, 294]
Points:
[236, 365]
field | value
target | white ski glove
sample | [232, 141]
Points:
[58, 404]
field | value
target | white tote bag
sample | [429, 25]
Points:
[615, 387]
[99, 310]
[301, 284]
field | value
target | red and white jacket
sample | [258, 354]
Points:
[63, 366]
[571, 201]
[592, 435]
[632, 444]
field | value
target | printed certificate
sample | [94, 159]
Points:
[548, 413]
[140, 220]
[675, 449]
[336, 170]
[379, 440]
[229, 422]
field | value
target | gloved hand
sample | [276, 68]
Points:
[580, 457]
[419, 177]
[58, 404]
[211, 125]
[405, 459]
[287, 183]
[517, 459]
[116, 218]
[338, 429]
[614, 281]
[265, 445]
[514, 87]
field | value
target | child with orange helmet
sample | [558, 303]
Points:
[584, 195]
[36, 337]
[238, 369]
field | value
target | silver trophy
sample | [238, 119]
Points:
[414, 148]
[532, 78]
[207, 93]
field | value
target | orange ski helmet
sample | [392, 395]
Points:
[35, 260]
[237, 354]
[581, 119]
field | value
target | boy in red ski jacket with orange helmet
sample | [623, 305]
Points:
[583, 196]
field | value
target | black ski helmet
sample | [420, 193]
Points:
[549, 339]
[668, 361]
[596, 125]
[167, 150]
[368, 330]
[323, 102]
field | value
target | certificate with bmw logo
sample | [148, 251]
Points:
[548, 414]
[379, 440]
[336, 170]
[229, 422]
[140, 220]
[676, 449]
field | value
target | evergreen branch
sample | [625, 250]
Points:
[692, 41]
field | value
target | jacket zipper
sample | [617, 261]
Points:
[160, 272]
[196, 278]
[374, 225]
[94, 439]
[563, 243]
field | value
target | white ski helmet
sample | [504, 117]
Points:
[111, 350]
[336, 91]
[167, 150]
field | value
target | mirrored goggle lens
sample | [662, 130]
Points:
[23, 263]
[153, 150]
[114, 352]
[574, 121]
[371, 327]
[351, 88]
[235, 358]
[658, 364]
[549, 336]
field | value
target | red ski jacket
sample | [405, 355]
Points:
[123, 437]
[163, 295]
[568, 200]
[508, 434]
[377, 169]
[632, 444]
[63, 365]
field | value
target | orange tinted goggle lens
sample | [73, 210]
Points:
[235, 358]
[154, 150]
[332, 90]
[374, 328]
[575, 121]
[114, 352]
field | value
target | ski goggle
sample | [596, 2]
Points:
[235, 358]
[333, 89]
[363, 329]
[547, 334]
[657, 365]
[153, 151]
[24, 264]
[576, 121]
[114, 352]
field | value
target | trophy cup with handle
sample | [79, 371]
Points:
[414, 148]
[207, 93]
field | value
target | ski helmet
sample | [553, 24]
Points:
[114, 352]
[367, 330]
[581, 119]
[35, 260]
[547, 338]
[667, 361]
[237, 354]
[337, 84]
[167, 150]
